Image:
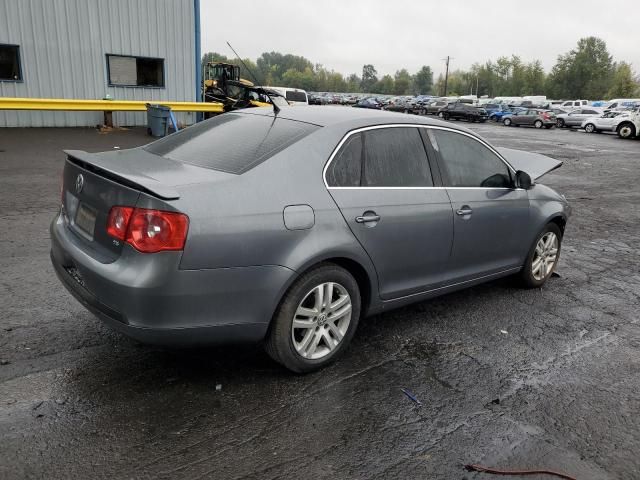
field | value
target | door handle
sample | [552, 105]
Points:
[368, 218]
[464, 211]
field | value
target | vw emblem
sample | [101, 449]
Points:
[79, 183]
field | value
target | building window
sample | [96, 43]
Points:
[127, 71]
[10, 63]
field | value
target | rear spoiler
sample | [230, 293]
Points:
[121, 172]
[535, 164]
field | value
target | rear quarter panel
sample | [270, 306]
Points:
[239, 222]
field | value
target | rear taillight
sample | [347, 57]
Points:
[118, 222]
[146, 230]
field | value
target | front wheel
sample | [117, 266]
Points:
[316, 319]
[626, 130]
[543, 257]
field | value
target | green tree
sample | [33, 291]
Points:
[369, 78]
[623, 84]
[534, 82]
[585, 72]
[353, 83]
[385, 85]
[423, 81]
[401, 82]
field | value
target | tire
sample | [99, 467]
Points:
[590, 128]
[305, 349]
[471, 119]
[626, 130]
[560, 123]
[537, 124]
[445, 116]
[534, 273]
[507, 122]
[441, 115]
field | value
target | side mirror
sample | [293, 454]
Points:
[523, 180]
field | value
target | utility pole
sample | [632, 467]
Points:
[446, 76]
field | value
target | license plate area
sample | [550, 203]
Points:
[86, 220]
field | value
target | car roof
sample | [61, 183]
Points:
[325, 116]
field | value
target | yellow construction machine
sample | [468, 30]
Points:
[222, 83]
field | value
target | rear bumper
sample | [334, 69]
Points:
[147, 296]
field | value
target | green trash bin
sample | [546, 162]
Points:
[158, 120]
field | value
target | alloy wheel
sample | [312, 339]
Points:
[545, 256]
[321, 320]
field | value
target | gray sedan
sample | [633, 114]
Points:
[289, 227]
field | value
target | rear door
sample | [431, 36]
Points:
[381, 180]
[490, 215]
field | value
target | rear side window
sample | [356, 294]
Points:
[469, 163]
[294, 96]
[395, 157]
[345, 169]
[231, 142]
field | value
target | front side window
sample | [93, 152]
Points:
[346, 167]
[467, 162]
[126, 71]
[395, 157]
[10, 63]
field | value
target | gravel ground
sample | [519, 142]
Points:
[511, 378]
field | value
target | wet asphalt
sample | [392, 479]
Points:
[517, 379]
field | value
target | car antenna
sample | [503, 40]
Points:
[276, 109]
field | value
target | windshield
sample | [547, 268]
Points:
[296, 96]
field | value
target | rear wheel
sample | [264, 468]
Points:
[589, 128]
[507, 122]
[543, 257]
[560, 123]
[316, 319]
[537, 124]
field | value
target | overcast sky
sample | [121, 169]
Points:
[392, 34]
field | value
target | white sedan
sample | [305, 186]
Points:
[607, 122]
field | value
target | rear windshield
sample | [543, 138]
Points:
[231, 143]
[294, 96]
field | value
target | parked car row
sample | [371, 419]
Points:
[619, 115]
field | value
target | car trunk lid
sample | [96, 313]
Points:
[93, 183]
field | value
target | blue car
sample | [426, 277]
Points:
[498, 115]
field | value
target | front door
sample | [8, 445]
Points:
[381, 181]
[490, 215]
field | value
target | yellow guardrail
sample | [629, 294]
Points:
[69, 104]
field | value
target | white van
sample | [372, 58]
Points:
[294, 96]
[621, 103]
